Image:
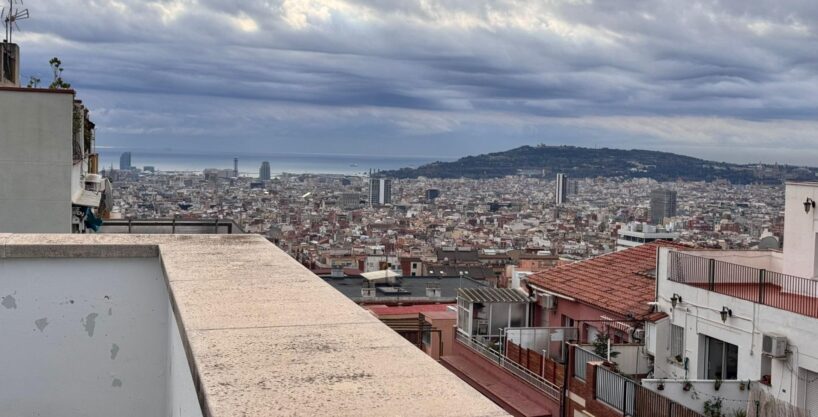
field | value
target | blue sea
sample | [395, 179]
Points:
[249, 163]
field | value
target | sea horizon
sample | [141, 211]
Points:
[249, 163]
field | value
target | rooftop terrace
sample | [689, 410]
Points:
[261, 335]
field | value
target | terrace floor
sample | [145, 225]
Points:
[514, 395]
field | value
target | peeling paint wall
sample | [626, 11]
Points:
[87, 337]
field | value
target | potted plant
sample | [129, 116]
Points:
[687, 386]
[742, 386]
[717, 384]
[661, 386]
[712, 408]
[678, 358]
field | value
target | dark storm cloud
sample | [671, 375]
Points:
[700, 77]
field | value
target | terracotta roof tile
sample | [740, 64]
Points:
[617, 282]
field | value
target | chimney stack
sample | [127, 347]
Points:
[9, 65]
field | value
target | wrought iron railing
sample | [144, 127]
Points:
[581, 359]
[634, 400]
[531, 378]
[774, 289]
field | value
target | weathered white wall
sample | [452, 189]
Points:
[799, 230]
[182, 398]
[733, 397]
[87, 337]
[35, 161]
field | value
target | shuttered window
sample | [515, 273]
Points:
[677, 342]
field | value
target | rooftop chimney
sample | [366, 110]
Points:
[9, 65]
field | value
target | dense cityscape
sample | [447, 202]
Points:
[544, 273]
[330, 221]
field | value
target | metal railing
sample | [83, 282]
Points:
[581, 359]
[531, 378]
[615, 390]
[774, 289]
[634, 400]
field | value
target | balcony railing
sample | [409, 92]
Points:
[535, 380]
[581, 359]
[634, 400]
[774, 289]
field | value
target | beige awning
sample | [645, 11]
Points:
[86, 198]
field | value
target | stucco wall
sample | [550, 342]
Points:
[730, 392]
[799, 230]
[699, 315]
[36, 154]
[89, 337]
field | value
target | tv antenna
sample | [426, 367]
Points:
[11, 15]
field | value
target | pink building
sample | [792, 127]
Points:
[608, 294]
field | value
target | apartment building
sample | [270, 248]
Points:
[743, 317]
[48, 157]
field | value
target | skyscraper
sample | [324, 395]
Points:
[125, 161]
[264, 171]
[662, 205]
[236, 167]
[561, 191]
[380, 191]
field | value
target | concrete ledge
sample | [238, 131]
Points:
[79, 251]
[267, 337]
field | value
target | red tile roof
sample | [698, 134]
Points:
[616, 282]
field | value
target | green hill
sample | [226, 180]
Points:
[579, 162]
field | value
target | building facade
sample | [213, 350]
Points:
[662, 205]
[380, 191]
[744, 317]
[48, 168]
[125, 161]
[561, 190]
[264, 171]
[635, 234]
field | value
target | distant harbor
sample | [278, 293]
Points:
[249, 164]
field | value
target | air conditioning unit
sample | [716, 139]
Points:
[774, 346]
[367, 292]
[639, 334]
[548, 301]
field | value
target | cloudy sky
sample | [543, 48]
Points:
[733, 80]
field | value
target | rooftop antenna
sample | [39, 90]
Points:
[11, 15]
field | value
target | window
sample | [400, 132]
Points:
[567, 321]
[721, 359]
[677, 342]
[426, 338]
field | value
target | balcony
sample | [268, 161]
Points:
[757, 285]
[213, 325]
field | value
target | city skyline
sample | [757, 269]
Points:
[460, 78]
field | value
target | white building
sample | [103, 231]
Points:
[47, 159]
[741, 316]
[635, 234]
[561, 190]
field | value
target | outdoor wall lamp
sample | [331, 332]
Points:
[810, 203]
[676, 299]
[725, 313]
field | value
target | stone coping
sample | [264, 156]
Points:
[266, 337]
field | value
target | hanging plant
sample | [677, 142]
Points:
[687, 386]
[717, 384]
[661, 386]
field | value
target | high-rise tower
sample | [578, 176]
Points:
[264, 171]
[561, 191]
